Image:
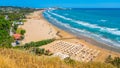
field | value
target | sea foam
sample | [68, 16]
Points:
[99, 38]
[114, 31]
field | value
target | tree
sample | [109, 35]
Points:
[116, 62]
[109, 59]
[22, 32]
[15, 27]
[5, 38]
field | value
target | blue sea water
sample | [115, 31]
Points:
[103, 25]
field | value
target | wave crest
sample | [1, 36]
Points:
[114, 31]
[99, 38]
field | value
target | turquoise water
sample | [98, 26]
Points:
[103, 25]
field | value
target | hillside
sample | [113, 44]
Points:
[11, 58]
[11, 9]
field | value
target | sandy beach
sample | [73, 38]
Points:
[37, 28]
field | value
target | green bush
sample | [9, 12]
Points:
[109, 59]
[40, 51]
[22, 32]
[39, 43]
[68, 60]
[35, 44]
[15, 27]
[114, 61]
[5, 38]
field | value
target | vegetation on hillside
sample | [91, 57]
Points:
[40, 51]
[5, 38]
[8, 15]
[35, 44]
[10, 58]
[114, 61]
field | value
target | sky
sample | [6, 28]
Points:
[62, 3]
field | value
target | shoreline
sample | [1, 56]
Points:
[108, 50]
[66, 36]
[87, 39]
[92, 41]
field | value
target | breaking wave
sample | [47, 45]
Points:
[99, 38]
[114, 31]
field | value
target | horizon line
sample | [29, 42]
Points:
[65, 7]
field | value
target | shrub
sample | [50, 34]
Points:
[37, 44]
[37, 51]
[5, 38]
[114, 61]
[15, 27]
[68, 60]
[109, 59]
[47, 52]
[40, 51]
[22, 32]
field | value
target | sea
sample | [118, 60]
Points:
[100, 24]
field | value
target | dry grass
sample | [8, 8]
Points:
[6, 63]
[10, 58]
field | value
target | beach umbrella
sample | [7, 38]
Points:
[17, 36]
